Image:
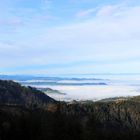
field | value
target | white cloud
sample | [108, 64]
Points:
[85, 13]
[108, 10]
[111, 36]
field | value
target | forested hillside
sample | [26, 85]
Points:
[26, 113]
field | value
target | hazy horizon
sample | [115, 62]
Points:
[83, 87]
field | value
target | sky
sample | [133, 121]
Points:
[49, 37]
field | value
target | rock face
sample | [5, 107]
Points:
[12, 93]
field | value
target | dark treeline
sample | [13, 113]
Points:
[24, 124]
[29, 114]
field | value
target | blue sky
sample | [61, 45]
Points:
[69, 36]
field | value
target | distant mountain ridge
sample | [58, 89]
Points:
[31, 77]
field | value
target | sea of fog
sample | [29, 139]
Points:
[88, 87]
